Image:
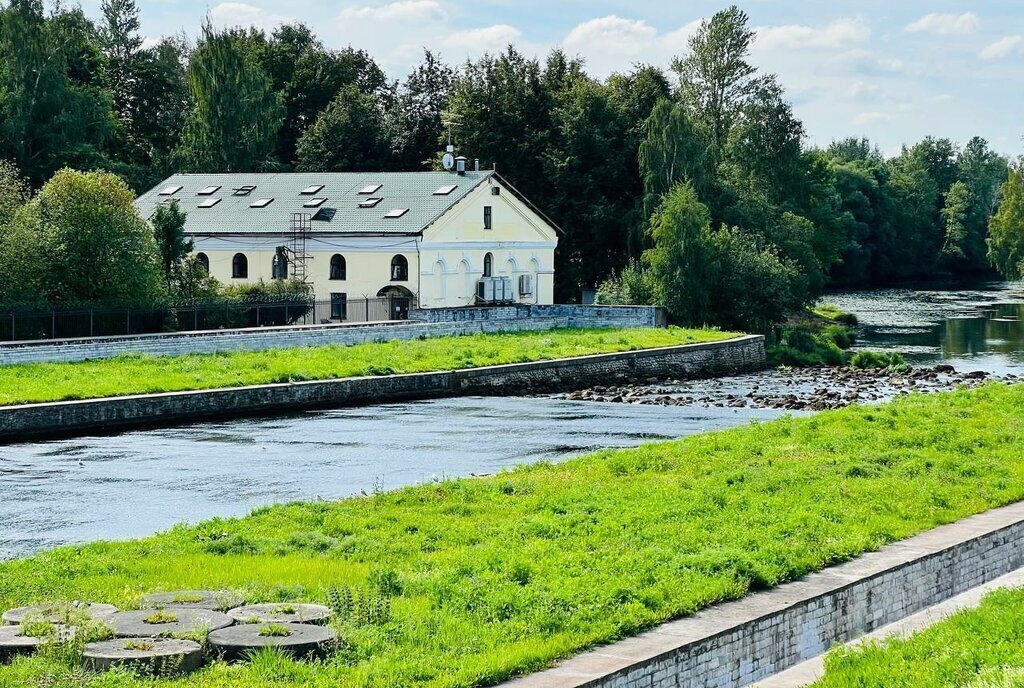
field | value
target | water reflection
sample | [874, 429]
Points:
[979, 328]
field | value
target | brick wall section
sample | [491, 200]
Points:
[741, 642]
[18, 423]
[439, 323]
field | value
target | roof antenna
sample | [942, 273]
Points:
[450, 121]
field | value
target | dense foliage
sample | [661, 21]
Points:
[598, 156]
[39, 382]
[472, 581]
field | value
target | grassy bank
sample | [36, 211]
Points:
[814, 337]
[38, 382]
[979, 648]
[468, 582]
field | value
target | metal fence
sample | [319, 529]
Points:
[28, 323]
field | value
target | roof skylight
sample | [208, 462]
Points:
[209, 203]
[170, 191]
[208, 191]
[261, 203]
[396, 213]
[445, 190]
[245, 190]
[310, 190]
[314, 203]
[372, 188]
[370, 202]
[325, 214]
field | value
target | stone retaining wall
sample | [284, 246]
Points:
[440, 323]
[741, 642]
[27, 421]
[577, 316]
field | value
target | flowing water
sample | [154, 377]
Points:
[136, 483]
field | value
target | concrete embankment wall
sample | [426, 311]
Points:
[738, 643]
[29, 421]
[440, 323]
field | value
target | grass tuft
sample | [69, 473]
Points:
[275, 630]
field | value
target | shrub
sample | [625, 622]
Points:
[867, 360]
[830, 312]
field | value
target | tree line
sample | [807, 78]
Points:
[692, 186]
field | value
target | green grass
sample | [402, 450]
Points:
[40, 382]
[275, 630]
[978, 648]
[468, 582]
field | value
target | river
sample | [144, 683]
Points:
[136, 483]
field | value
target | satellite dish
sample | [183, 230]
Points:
[448, 161]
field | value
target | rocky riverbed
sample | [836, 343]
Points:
[806, 389]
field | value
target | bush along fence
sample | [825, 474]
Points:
[22, 323]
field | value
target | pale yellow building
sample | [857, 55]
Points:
[442, 239]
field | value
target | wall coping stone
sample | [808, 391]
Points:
[600, 666]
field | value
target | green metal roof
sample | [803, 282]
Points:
[226, 212]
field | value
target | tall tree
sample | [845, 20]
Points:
[983, 171]
[53, 109]
[121, 42]
[236, 114]
[421, 101]
[348, 136]
[715, 77]
[1006, 230]
[674, 150]
[169, 230]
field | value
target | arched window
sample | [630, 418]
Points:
[488, 265]
[337, 267]
[240, 266]
[279, 266]
[204, 260]
[399, 269]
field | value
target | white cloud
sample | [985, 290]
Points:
[613, 43]
[402, 10]
[243, 14]
[492, 39]
[838, 34]
[872, 117]
[863, 90]
[1004, 47]
[945, 24]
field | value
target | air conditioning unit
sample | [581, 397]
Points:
[495, 290]
[485, 290]
[525, 285]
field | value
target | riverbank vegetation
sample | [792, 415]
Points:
[39, 382]
[468, 582]
[690, 182]
[819, 336]
[977, 648]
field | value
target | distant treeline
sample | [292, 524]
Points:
[599, 156]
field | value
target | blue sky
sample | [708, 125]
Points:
[893, 70]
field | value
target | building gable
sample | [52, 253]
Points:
[512, 220]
